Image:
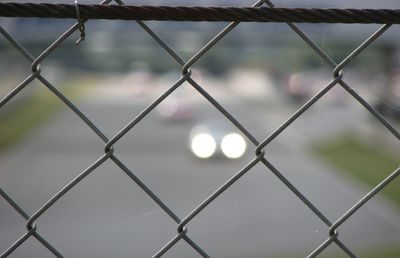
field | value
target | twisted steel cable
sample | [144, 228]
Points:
[198, 13]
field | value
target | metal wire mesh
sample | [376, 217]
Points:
[183, 223]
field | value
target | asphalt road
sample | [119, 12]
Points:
[108, 215]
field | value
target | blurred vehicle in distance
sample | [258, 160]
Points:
[300, 87]
[177, 107]
[213, 139]
[175, 110]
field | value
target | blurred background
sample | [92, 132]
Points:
[185, 149]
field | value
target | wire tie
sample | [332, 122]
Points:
[80, 23]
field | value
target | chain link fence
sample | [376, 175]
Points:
[259, 145]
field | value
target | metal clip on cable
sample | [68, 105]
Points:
[80, 23]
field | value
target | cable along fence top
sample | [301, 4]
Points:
[201, 13]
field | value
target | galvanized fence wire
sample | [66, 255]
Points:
[183, 223]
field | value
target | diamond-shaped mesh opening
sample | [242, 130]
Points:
[260, 226]
[147, 150]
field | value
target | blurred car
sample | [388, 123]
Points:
[175, 109]
[299, 87]
[216, 140]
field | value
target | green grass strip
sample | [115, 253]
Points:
[22, 117]
[19, 118]
[368, 163]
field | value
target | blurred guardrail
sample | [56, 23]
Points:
[264, 11]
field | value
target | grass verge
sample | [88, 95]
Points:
[370, 164]
[25, 116]
[17, 121]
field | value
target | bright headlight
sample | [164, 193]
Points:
[233, 145]
[203, 145]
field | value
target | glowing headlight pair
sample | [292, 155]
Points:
[232, 145]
